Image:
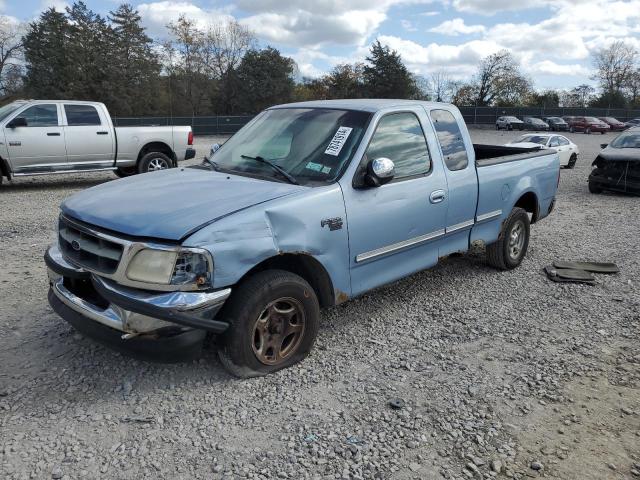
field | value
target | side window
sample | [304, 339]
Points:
[45, 115]
[562, 141]
[554, 142]
[400, 138]
[81, 115]
[450, 138]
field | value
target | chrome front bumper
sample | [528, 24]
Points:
[128, 310]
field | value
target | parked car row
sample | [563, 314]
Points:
[564, 124]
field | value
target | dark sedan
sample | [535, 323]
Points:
[617, 166]
[557, 124]
[532, 123]
[615, 124]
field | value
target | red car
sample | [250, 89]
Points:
[587, 125]
[615, 124]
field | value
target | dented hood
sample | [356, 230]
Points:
[170, 204]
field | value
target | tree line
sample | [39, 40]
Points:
[220, 69]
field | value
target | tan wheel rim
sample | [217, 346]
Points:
[278, 331]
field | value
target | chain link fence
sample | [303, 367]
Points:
[224, 125]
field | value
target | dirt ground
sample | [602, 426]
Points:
[504, 374]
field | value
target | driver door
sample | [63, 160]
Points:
[40, 145]
[395, 229]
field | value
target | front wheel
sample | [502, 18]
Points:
[511, 247]
[570, 129]
[154, 161]
[274, 317]
[594, 188]
[587, 131]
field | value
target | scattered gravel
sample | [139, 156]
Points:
[501, 374]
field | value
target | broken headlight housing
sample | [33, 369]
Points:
[181, 267]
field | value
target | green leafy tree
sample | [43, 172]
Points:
[346, 81]
[264, 78]
[385, 76]
[134, 68]
[47, 53]
[89, 53]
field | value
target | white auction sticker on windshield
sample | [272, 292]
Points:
[338, 141]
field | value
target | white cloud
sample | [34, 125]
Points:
[430, 13]
[408, 26]
[58, 5]
[547, 67]
[456, 27]
[156, 15]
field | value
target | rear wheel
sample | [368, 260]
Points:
[571, 129]
[154, 161]
[572, 161]
[274, 319]
[511, 247]
[587, 131]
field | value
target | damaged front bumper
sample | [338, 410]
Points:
[122, 316]
[616, 175]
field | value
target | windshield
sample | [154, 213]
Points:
[312, 145]
[610, 119]
[511, 119]
[9, 109]
[532, 139]
[626, 140]
[593, 119]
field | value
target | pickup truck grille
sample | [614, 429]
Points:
[87, 249]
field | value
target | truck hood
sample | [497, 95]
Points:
[170, 204]
[620, 154]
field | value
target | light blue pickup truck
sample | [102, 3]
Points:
[308, 205]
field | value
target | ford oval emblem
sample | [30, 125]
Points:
[75, 245]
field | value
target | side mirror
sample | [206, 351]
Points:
[379, 171]
[603, 145]
[17, 122]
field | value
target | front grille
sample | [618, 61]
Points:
[87, 249]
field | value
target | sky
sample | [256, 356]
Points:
[552, 39]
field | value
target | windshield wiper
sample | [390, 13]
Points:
[213, 164]
[277, 168]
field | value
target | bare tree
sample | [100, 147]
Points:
[583, 94]
[224, 46]
[499, 80]
[633, 87]
[614, 65]
[11, 55]
[185, 61]
[440, 84]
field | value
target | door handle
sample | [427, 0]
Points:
[53, 134]
[102, 133]
[437, 196]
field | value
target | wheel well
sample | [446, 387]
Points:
[157, 147]
[529, 202]
[4, 168]
[307, 267]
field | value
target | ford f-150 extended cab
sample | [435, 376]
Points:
[41, 137]
[306, 206]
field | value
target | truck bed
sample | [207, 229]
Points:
[494, 154]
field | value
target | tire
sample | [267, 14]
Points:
[587, 131]
[570, 129]
[602, 132]
[244, 348]
[572, 160]
[594, 188]
[153, 161]
[497, 127]
[125, 171]
[502, 254]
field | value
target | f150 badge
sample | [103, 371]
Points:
[332, 223]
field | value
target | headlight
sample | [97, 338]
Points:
[170, 267]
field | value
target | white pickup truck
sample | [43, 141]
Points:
[40, 137]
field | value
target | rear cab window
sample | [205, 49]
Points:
[399, 137]
[449, 136]
[81, 115]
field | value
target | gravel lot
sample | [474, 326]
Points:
[503, 374]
